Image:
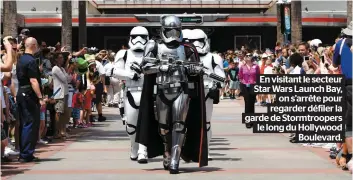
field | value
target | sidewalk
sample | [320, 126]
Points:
[102, 153]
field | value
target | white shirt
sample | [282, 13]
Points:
[108, 69]
[268, 70]
[100, 68]
[296, 70]
[60, 80]
[14, 77]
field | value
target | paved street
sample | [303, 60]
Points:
[102, 153]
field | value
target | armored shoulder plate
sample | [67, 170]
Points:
[120, 55]
[217, 60]
[151, 49]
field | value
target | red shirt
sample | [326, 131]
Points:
[77, 100]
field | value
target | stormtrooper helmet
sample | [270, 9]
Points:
[138, 38]
[186, 34]
[171, 29]
[199, 39]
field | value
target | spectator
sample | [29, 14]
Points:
[248, 74]
[113, 86]
[234, 81]
[99, 85]
[46, 64]
[14, 90]
[343, 57]
[8, 63]
[60, 79]
[296, 61]
[309, 65]
[29, 100]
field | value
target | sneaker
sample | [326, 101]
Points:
[41, 141]
[221, 97]
[10, 152]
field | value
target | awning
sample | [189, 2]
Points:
[153, 20]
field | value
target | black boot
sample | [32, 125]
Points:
[174, 169]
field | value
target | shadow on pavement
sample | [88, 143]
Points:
[190, 169]
[217, 154]
[225, 159]
[219, 144]
[221, 149]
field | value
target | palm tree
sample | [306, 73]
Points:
[82, 24]
[296, 22]
[349, 11]
[10, 18]
[279, 24]
[66, 20]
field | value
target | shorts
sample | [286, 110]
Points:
[61, 104]
[99, 92]
[42, 116]
[76, 113]
[234, 85]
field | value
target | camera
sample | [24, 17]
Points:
[306, 58]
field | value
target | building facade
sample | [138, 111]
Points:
[229, 23]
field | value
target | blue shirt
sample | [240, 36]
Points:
[225, 64]
[26, 69]
[345, 58]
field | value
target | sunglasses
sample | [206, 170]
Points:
[248, 55]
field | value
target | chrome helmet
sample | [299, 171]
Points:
[171, 29]
[138, 38]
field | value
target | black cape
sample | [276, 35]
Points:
[147, 130]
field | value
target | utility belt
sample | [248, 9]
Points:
[27, 90]
[134, 88]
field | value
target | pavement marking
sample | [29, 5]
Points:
[193, 170]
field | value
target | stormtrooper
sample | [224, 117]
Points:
[173, 89]
[126, 69]
[186, 34]
[214, 64]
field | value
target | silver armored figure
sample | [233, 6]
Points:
[173, 63]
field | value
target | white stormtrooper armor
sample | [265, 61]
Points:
[125, 69]
[186, 34]
[214, 64]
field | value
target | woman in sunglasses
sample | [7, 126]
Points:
[247, 76]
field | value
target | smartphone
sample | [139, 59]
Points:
[306, 58]
[322, 59]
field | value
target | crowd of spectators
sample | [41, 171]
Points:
[69, 86]
[311, 57]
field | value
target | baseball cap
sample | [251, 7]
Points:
[25, 32]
